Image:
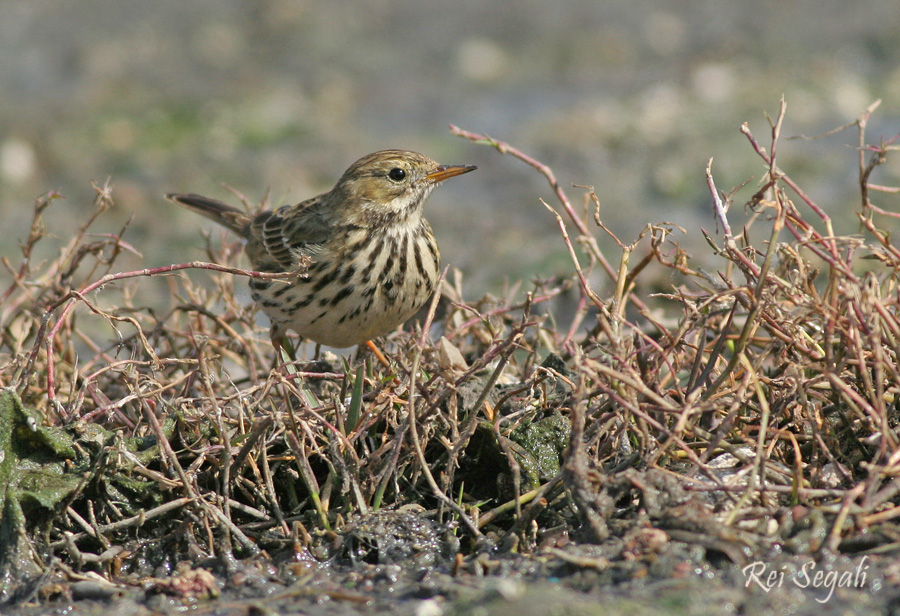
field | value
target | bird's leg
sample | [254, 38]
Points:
[283, 347]
[378, 354]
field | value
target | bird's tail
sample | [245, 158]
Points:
[226, 215]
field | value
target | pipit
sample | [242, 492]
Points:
[372, 259]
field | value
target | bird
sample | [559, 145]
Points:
[366, 257]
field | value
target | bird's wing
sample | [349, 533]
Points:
[288, 233]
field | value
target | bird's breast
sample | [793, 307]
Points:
[358, 289]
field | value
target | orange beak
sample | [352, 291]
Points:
[448, 171]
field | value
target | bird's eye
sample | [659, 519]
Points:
[397, 174]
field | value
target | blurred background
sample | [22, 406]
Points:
[282, 95]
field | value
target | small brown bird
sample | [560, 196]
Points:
[373, 259]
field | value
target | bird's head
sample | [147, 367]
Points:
[391, 186]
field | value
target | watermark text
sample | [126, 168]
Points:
[760, 574]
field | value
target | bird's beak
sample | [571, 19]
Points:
[448, 171]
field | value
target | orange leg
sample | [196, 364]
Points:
[378, 354]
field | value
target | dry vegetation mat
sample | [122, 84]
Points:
[732, 414]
